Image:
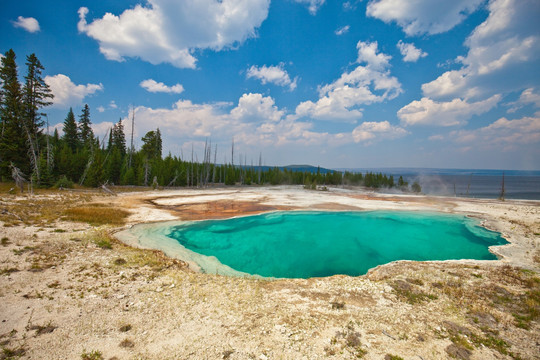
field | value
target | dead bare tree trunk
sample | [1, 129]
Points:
[131, 147]
[214, 169]
[107, 190]
[260, 165]
[191, 164]
[232, 153]
[146, 171]
[33, 151]
[18, 176]
[503, 190]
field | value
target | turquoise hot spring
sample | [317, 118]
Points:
[309, 244]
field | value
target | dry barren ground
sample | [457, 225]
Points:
[70, 290]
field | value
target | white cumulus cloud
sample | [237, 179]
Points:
[66, 93]
[503, 51]
[154, 87]
[313, 5]
[528, 96]
[366, 84]
[370, 131]
[342, 30]
[256, 108]
[255, 121]
[422, 16]
[503, 134]
[165, 31]
[450, 113]
[29, 24]
[368, 52]
[410, 52]
[272, 74]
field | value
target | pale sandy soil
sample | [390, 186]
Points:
[62, 296]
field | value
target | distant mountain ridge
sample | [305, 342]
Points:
[307, 168]
[295, 168]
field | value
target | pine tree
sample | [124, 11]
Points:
[12, 143]
[71, 136]
[46, 176]
[36, 95]
[95, 172]
[159, 144]
[85, 131]
[152, 145]
[118, 138]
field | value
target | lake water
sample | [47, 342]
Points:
[473, 183]
[317, 244]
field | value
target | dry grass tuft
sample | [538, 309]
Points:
[97, 215]
[92, 355]
[125, 328]
[410, 291]
[127, 343]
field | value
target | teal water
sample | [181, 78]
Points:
[316, 244]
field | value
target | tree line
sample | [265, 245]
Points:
[28, 153]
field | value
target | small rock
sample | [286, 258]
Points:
[458, 352]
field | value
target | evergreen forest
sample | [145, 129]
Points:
[30, 155]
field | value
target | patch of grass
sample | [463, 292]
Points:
[126, 343]
[125, 328]
[406, 292]
[97, 215]
[43, 329]
[464, 338]
[92, 355]
[46, 256]
[392, 357]
[120, 261]
[53, 285]
[59, 230]
[41, 209]
[415, 281]
[5, 241]
[349, 339]
[492, 342]
[8, 271]
[23, 250]
[104, 243]
[102, 239]
[337, 305]
[8, 353]
[536, 256]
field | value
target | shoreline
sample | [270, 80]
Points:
[151, 236]
[180, 203]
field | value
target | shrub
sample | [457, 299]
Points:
[64, 182]
[93, 355]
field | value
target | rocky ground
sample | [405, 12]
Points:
[70, 290]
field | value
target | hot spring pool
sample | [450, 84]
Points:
[316, 244]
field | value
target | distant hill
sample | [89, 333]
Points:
[296, 168]
[307, 168]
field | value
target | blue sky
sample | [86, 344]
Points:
[380, 83]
